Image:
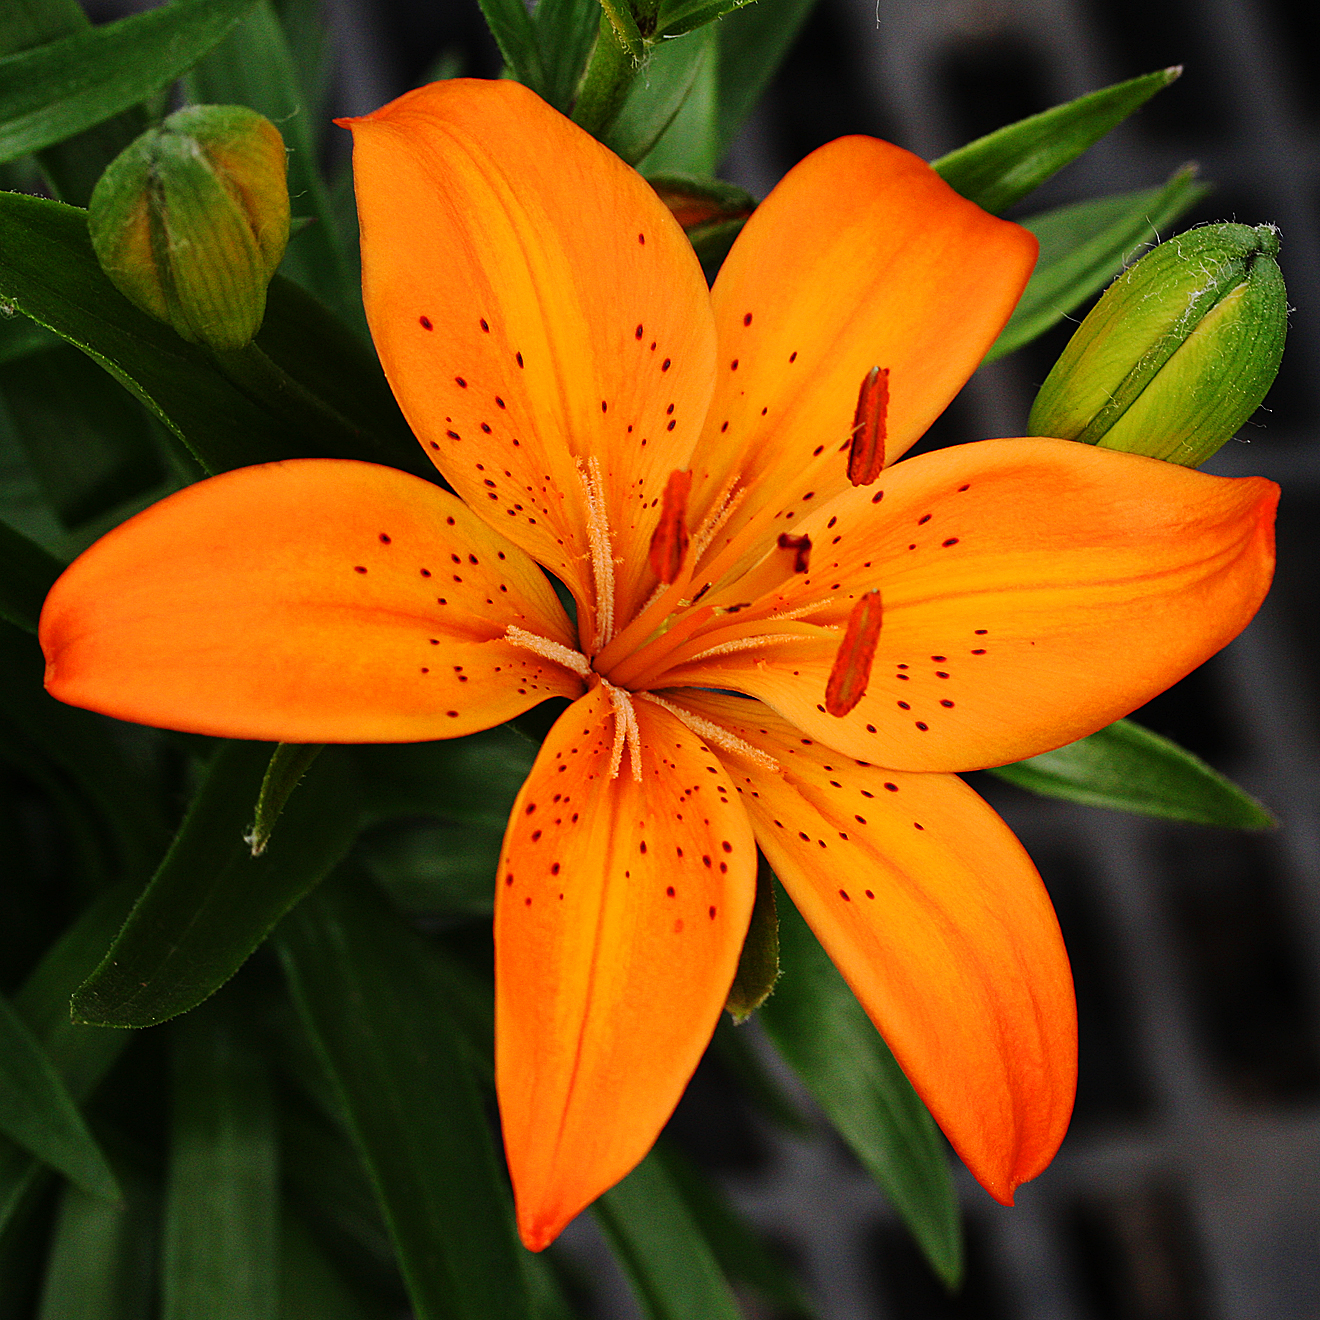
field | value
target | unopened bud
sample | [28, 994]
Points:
[191, 220]
[1178, 353]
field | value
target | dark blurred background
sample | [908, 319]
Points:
[1189, 1186]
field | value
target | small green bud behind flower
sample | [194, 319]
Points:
[1179, 351]
[191, 220]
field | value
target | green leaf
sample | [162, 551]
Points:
[738, 1249]
[436, 869]
[220, 1258]
[90, 446]
[1126, 767]
[79, 746]
[822, 1032]
[1082, 247]
[73, 166]
[310, 1286]
[102, 1256]
[565, 33]
[288, 764]
[20, 337]
[38, 1113]
[58, 89]
[470, 780]
[672, 1269]
[657, 95]
[758, 963]
[27, 573]
[49, 272]
[690, 142]
[511, 26]
[754, 42]
[254, 67]
[376, 1002]
[82, 1055]
[1001, 168]
[212, 903]
[679, 16]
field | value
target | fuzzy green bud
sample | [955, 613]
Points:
[191, 220]
[1179, 351]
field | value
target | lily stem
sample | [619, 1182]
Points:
[616, 59]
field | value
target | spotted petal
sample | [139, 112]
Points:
[861, 257]
[620, 911]
[1033, 591]
[315, 600]
[534, 304]
[937, 919]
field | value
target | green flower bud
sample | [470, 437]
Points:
[1179, 351]
[191, 220]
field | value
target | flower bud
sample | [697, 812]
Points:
[191, 220]
[1179, 351]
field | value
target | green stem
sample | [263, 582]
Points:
[610, 70]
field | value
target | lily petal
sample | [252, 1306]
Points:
[620, 911]
[533, 303]
[1033, 591]
[940, 924]
[315, 600]
[876, 261]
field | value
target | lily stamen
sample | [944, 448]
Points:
[548, 650]
[866, 450]
[714, 733]
[669, 541]
[602, 552]
[626, 732]
[852, 663]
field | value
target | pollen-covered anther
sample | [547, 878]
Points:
[626, 732]
[801, 548]
[852, 662]
[669, 541]
[866, 452]
[548, 649]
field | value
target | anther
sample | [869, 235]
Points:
[801, 547]
[866, 454]
[669, 542]
[852, 663]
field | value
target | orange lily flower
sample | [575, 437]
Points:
[764, 653]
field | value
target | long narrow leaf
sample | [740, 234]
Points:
[1082, 247]
[511, 26]
[56, 90]
[310, 1286]
[820, 1029]
[670, 1264]
[221, 1235]
[91, 447]
[1126, 767]
[565, 33]
[738, 1250]
[49, 272]
[81, 1055]
[79, 746]
[38, 1113]
[658, 94]
[102, 1256]
[1001, 168]
[211, 902]
[373, 998]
